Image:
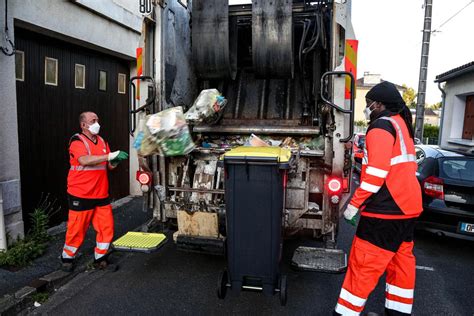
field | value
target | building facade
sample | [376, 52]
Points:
[71, 56]
[457, 118]
[363, 86]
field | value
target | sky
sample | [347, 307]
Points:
[390, 36]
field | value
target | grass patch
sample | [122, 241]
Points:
[24, 251]
[40, 297]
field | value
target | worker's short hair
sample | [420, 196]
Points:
[82, 116]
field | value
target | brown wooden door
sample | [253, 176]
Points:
[48, 116]
[468, 129]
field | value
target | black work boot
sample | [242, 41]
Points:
[67, 265]
[105, 264]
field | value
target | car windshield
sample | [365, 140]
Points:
[458, 169]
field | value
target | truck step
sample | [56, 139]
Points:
[207, 245]
[139, 242]
[319, 259]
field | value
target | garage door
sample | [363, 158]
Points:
[56, 81]
[468, 130]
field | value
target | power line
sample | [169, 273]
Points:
[453, 16]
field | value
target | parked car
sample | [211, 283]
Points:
[447, 183]
[358, 145]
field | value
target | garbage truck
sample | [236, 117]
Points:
[287, 70]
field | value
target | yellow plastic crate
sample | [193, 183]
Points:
[139, 241]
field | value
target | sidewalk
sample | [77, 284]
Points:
[128, 215]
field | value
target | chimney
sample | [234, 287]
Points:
[371, 79]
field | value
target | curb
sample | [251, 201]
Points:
[17, 303]
[14, 304]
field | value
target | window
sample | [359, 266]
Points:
[457, 169]
[20, 65]
[80, 76]
[122, 78]
[102, 80]
[420, 155]
[51, 71]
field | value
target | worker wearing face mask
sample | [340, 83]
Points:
[389, 201]
[88, 191]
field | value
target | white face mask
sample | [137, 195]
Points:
[94, 128]
[368, 111]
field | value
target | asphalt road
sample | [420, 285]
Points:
[176, 283]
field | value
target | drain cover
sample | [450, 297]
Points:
[320, 259]
[140, 242]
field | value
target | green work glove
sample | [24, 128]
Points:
[116, 157]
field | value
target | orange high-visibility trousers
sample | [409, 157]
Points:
[367, 263]
[78, 223]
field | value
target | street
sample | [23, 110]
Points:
[177, 283]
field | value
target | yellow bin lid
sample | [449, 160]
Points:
[282, 154]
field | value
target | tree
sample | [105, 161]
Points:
[409, 96]
[436, 106]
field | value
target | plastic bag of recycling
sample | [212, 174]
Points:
[145, 143]
[209, 103]
[170, 132]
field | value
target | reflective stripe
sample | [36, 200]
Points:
[88, 168]
[66, 256]
[369, 187]
[402, 158]
[398, 291]
[103, 143]
[103, 245]
[85, 143]
[341, 309]
[70, 248]
[97, 256]
[376, 172]
[397, 306]
[365, 160]
[403, 147]
[351, 298]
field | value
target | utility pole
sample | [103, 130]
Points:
[425, 49]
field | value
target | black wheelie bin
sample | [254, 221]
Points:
[255, 181]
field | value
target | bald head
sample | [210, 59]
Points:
[87, 119]
[84, 116]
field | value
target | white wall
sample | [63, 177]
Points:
[454, 107]
[80, 23]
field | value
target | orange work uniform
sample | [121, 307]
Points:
[88, 195]
[389, 198]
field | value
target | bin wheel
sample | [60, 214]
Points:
[283, 290]
[222, 285]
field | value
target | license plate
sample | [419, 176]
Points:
[468, 228]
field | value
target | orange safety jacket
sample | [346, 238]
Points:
[87, 182]
[388, 188]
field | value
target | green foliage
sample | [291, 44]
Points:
[430, 131]
[436, 106]
[23, 251]
[360, 123]
[40, 297]
[409, 96]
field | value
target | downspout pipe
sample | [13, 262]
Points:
[3, 235]
[443, 101]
